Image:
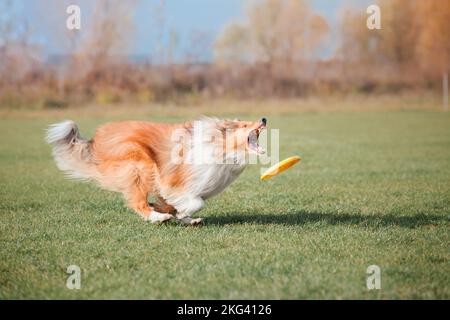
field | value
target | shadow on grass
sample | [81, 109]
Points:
[304, 218]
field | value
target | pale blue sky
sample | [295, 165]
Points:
[184, 17]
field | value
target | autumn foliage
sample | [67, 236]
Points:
[280, 48]
[411, 49]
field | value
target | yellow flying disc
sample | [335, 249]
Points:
[280, 167]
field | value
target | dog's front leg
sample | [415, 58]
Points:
[187, 208]
[191, 221]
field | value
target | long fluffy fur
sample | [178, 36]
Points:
[135, 158]
[72, 154]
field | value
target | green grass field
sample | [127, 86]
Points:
[372, 188]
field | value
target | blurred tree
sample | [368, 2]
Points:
[414, 41]
[355, 39]
[109, 32]
[397, 41]
[433, 41]
[233, 45]
[18, 54]
[279, 33]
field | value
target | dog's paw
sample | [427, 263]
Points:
[158, 218]
[190, 221]
[196, 222]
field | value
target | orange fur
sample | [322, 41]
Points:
[134, 158]
[131, 154]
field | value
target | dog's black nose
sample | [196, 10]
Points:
[264, 120]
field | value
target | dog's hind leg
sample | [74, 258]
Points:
[139, 186]
[137, 200]
[161, 205]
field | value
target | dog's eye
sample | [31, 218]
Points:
[245, 126]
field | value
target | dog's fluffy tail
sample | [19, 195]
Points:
[72, 154]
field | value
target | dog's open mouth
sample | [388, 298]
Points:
[253, 140]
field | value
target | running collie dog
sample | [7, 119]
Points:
[181, 165]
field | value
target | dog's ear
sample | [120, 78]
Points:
[226, 125]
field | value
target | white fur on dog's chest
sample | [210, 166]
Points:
[212, 171]
[206, 180]
[211, 179]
